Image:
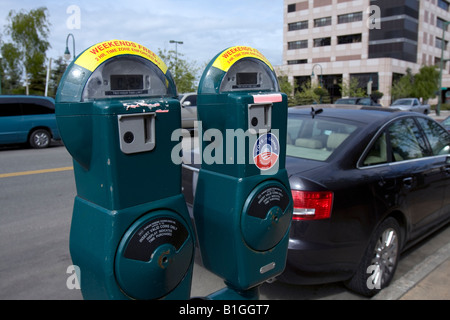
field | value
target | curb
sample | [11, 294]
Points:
[408, 287]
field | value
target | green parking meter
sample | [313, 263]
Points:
[131, 234]
[243, 204]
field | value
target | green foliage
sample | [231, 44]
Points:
[377, 95]
[444, 106]
[29, 32]
[310, 94]
[349, 88]
[183, 71]
[421, 85]
[287, 88]
[426, 82]
[59, 66]
[10, 65]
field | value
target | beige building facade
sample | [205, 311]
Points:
[374, 42]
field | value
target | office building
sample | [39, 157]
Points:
[377, 41]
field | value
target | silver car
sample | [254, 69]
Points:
[411, 104]
[188, 103]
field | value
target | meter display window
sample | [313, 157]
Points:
[126, 76]
[127, 82]
[249, 74]
[249, 79]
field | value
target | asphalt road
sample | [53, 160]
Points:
[35, 215]
[37, 189]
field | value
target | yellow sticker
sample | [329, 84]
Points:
[230, 56]
[99, 53]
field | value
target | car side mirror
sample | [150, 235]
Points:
[186, 104]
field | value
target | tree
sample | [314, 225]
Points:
[29, 33]
[421, 85]
[404, 87]
[426, 82]
[287, 88]
[58, 69]
[183, 71]
[11, 70]
[349, 88]
[310, 94]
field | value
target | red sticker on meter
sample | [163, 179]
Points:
[267, 98]
[266, 151]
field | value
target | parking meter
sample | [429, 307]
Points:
[131, 234]
[243, 204]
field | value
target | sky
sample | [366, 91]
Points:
[206, 27]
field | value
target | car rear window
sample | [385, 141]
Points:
[316, 138]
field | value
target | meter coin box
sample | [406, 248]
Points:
[131, 234]
[243, 203]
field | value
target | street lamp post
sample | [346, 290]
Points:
[1, 71]
[67, 54]
[176, 54]
[321, 73]
[441, 67]
[321, 77]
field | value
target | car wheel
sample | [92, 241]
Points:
[380, 261]
[40, 139]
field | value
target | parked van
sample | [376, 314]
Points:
[28, 119]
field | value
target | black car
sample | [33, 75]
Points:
[366, 101]
[366, 184]
[446, 123]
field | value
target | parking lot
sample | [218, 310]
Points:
[37, 189]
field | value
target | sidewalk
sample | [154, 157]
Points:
[435, 286]
[444, 114]
[429, 280]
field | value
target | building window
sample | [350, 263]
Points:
[443, 5]
[437, 61]
[301, 44]
[440, 23]
[350, 17]
[322, 42]
[349, 38]
[301, 61]
[298, 25]
[321, 22]
[441, 44]
[364, 78]
[291, 8]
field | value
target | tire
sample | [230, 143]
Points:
[40, 139]
[379, 263]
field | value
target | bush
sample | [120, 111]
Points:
[444, 106]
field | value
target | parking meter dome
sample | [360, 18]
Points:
[125, 76]
[238, 69]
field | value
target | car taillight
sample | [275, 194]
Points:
[312, 205]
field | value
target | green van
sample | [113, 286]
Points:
[28, 119]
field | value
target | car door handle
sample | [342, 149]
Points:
[408, 182]
[447, 165]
